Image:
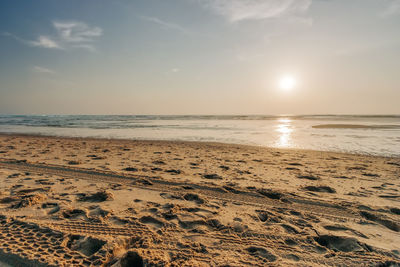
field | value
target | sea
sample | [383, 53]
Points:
[360, 134]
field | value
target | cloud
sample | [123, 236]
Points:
[42, 41]
[42, 70]
[392, 9]
[69, 34]
[46, 42]
[166, 24]
[76, 32]
[239, 10]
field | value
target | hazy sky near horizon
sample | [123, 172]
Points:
[199, 56]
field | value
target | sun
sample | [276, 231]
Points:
[287, 82]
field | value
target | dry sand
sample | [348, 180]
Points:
[97, 202]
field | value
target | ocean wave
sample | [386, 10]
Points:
[123, 118]
[354, 126]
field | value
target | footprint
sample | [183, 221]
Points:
[52, 206]
[343, 228]
[152, 221]
[231, 189]
[159, 162]
[308, 177]
[395, 211]
[173, 171]
[290, 242]
[292, 257]
[295, 164]
[320, 189]
[130, 169]
[290, 229]
[73, 162]
[261, 252]
[86, 245]
[212, 176]
[97, 197]
[385, 222]
[73, 213]
[268, 216]
[270, 194]
[130, 258]
[193, 197]
[339, 243]
[97, 211]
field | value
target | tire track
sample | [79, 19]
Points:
[14, 233]
[329, 210]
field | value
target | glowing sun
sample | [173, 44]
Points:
[287, 82]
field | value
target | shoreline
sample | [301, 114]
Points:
[180, 203]
[192, 142]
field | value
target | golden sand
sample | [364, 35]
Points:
[100, 202]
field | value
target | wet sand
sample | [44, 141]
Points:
[101, 202]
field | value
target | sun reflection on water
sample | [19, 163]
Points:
[284, 129]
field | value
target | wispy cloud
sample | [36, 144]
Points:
[391, 9]
[69, 34]
[239, 10]
[42, 70]
[76, 32]
[165, 24]
[45, 41]
[41, 41]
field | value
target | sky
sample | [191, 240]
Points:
[200, 57]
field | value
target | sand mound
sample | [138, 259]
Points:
[32, 190]
[29, 200]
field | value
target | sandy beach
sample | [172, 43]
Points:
[194, 133]
[101, 202]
